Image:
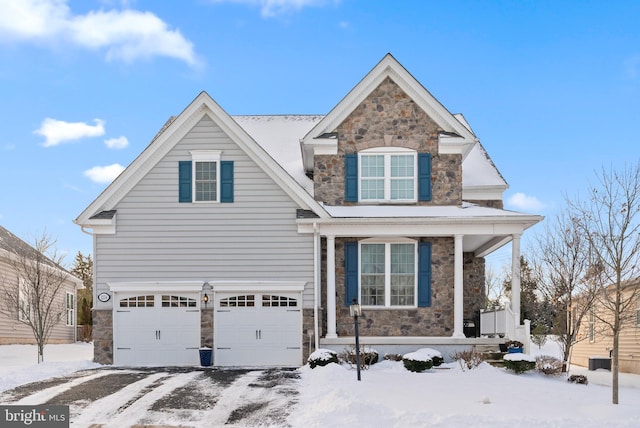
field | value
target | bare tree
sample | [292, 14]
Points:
[610, 220]
[493, 288]
[561, 262]
[35, 295]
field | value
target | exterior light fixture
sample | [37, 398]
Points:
[206, 288]
[356, 310]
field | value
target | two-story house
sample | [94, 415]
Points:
[253, 234]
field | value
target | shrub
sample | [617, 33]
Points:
[578, 378]
[436, 356]
[393, 357]
[368, 356]
[322, 357]
[416, 363]
[469, 359]
[519, 363]
[548, 365]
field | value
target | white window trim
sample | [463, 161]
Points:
[23, 300]
[637, 312]
[387, 152]
[387, 271]
[591, 326]
[205, 156]
[71, 310]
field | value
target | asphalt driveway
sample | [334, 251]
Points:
[193, 397]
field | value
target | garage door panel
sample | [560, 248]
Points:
[250, 334]
[155, 330]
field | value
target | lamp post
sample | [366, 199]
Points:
[356, 311]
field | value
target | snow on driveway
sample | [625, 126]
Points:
[111, 397]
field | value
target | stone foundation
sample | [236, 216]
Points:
[103, 336]
[206, 327]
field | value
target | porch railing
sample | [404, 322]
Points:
[499, 322]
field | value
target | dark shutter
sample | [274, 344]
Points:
[184, 181]
[351, 177]
[424, 274]
[424, 176]
[226, 181]
[350, 272]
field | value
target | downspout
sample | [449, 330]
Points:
[316, 283]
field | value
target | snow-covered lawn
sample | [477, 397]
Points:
[390, 396]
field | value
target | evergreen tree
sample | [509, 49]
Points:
[83, 269]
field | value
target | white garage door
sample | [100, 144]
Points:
[255, 329]
[156, 329]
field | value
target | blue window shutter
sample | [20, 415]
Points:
[351, 177]
[226, 181]
[350, 272]
[184, 181]
[424, 274]
[424, 176]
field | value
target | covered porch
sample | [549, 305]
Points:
[473, 230]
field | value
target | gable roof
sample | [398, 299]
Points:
[173, 131]
[16, 247]
[456, 136]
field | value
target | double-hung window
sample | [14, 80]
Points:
[71, 308]
[388, 174]
[388, 273]
[592, 326]
[24, 301]
[206, 175]
[205, 178]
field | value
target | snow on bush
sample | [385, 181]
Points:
[368, 356]
[322, 357]
[548, 365]
[469, 358]
[519, 363]
[422, 359]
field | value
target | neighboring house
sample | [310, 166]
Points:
[595, 338]
[279, 222]
[12, 330]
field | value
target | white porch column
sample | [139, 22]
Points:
[331, 288]
[458, 294]
[515, 277]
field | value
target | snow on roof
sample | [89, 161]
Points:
[467, 210]
[279, 136]
[479, 170]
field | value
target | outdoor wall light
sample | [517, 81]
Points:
[206, 288]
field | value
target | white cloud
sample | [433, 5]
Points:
[523, 202]
[104, 174]
[57, 131]
[125, 35]
[117, 143]
[271, 8]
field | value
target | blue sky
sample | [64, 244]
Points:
[552, 89]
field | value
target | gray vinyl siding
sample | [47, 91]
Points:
[13, 331]
[159, 239]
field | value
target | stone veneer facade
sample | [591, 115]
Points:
[388, 117]
[434, 321]
[103, 336]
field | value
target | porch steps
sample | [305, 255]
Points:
[491, 354]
